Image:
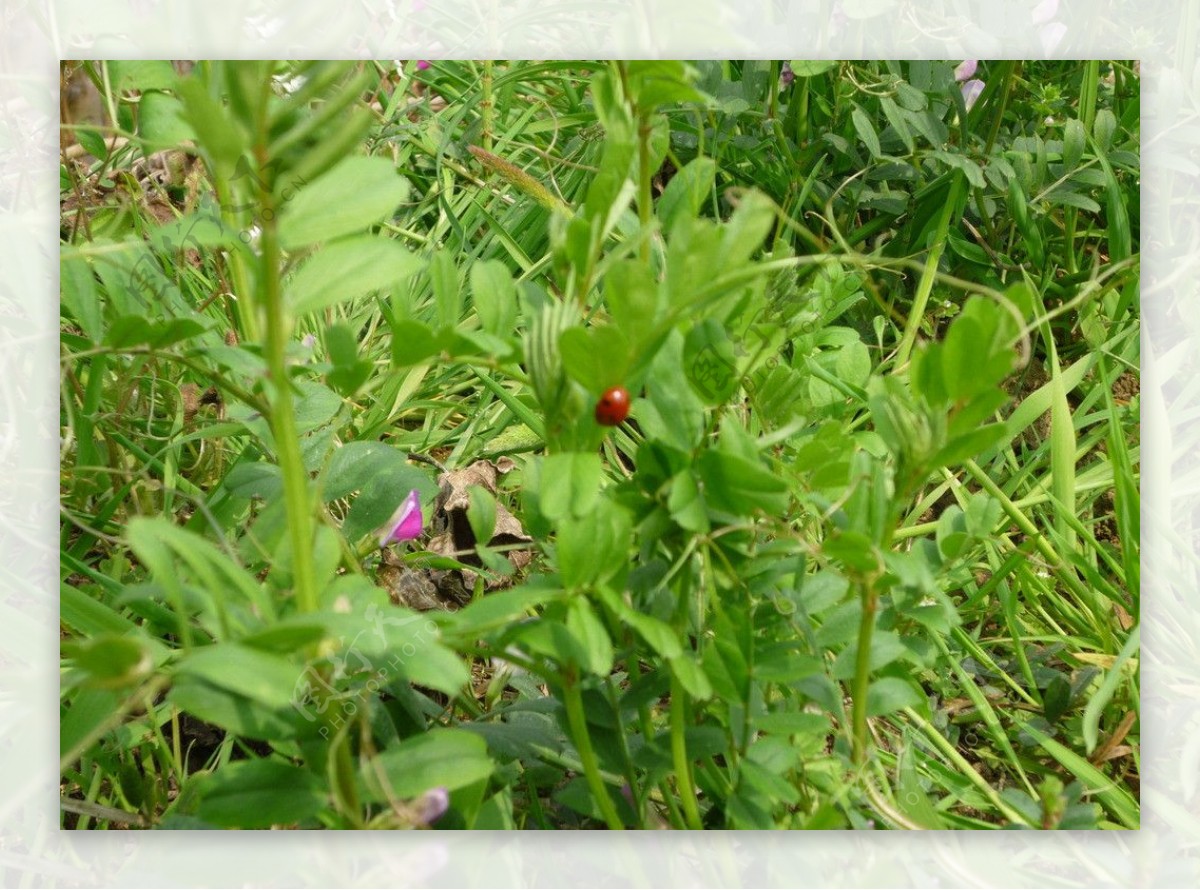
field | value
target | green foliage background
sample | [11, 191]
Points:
[866, 553]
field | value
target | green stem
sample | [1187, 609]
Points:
[1010, 71]
[626, 757]
[297, 503]
[244, 306]
[683, 767]
[1089, 92]
[645, 175]
[929, 275]
[486, 105]
[648, 734]
[343, 777]
[573, 699]
[862, 672]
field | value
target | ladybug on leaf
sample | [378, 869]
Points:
[613, 406]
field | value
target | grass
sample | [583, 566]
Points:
[866, 552]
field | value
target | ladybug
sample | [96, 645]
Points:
[613, 406]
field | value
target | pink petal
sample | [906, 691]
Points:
[422, 64]
[970, 92]
[966, 70]
[431, 805]
[405, 523]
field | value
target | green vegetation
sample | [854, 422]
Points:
[863, 554]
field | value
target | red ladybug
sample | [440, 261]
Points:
[613, 406]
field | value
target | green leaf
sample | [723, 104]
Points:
[952, 534]
[686, 504]
[443, 757]
[890, 694]
[1103, 128]
[87, 711]
[970, 444]
[746, 229]
[687, 191]
[803, 68]
[738, 486]
[347, 269]
[136, 330]
[110, 662]
[1120, 243]
[1074, 141]
[161, 121]
[1056, 698]
[656, 82]
[1065, 196]
[691, 676]
[570, 484]
[894, 116]
[853, 549]
[80, 298]
[499, 610]
[259, 676]
[239, 714]
[593, 643]
[348, 372]
[592, 548]
[659, 635]
[412, 343]
[495, 296]
[481, 514]
[259, 794]
[215, 132]
[356, 193]
[911, 796]
[866, 131]
[138, 74]
[285, 638]
[362, 465]
[447, 288]
[631, 294]
[198, 230]
[886, 647]
[597, 357]
[708, 356]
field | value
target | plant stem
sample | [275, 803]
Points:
[486, 105]
[929, 275]
[683, 767]
[1009, 71]
[573, 699]
[645, 175]
[648, 734]
[862, 671]
[296, 500]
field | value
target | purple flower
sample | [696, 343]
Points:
[786, 76]
[422, 64]
[405, 523]
[970, 92]
[966, 70]
[431, 805]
